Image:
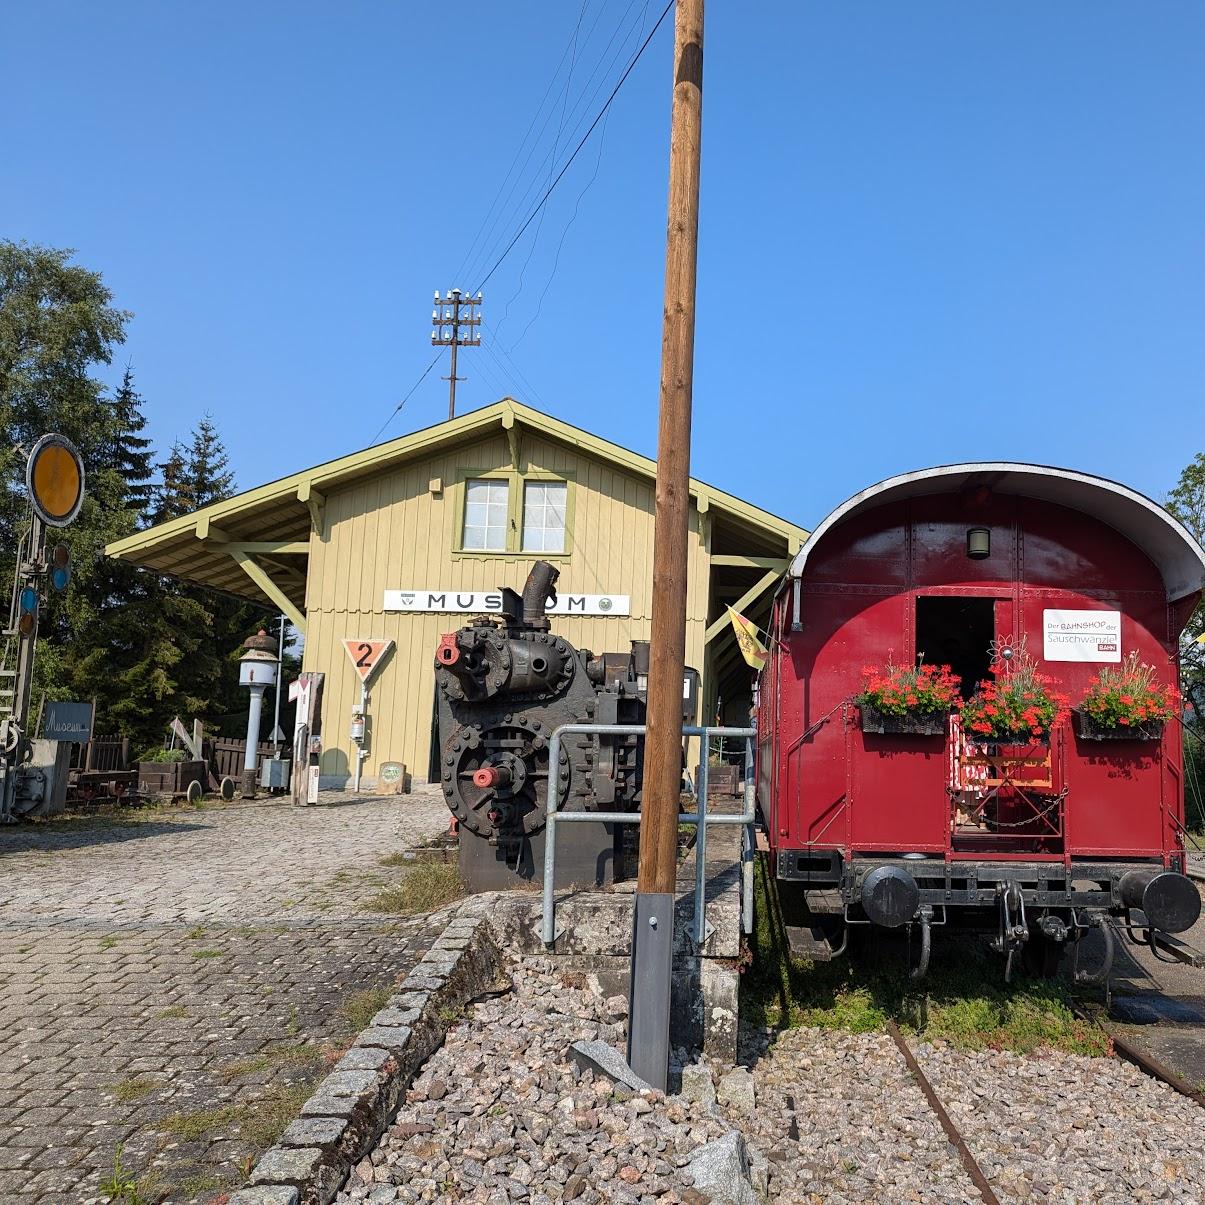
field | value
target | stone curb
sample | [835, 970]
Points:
[350, 1110]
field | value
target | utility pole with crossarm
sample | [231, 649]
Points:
[456, 319]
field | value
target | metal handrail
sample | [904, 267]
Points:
[700, 818]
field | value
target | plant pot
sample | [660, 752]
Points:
[169, 778]
[1092, 730]
[932, 723]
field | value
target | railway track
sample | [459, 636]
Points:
[969, 1163]
[1124, 1048]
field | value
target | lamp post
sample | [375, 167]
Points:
[257, 670]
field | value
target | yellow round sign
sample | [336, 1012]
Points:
[54, 476]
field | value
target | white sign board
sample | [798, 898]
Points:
[1081, 635]
[484, 602]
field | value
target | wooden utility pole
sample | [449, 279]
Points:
[653, 916]
[663, 745]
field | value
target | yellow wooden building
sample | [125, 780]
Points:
[401, 542]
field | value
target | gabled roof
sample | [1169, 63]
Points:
[1142, 521]
[279, 514]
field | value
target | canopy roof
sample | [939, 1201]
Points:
[1143, 522]
[255, 545]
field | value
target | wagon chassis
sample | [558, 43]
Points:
[1067, 900]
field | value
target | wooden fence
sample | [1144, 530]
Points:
[225, 754]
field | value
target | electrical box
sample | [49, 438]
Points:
[274, 773]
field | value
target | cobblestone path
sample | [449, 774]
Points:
[172, 982]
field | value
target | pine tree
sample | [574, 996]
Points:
[129, 453]
[171, 498]
[208, 475]
[209, 676]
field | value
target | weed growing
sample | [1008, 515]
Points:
[133, 1088]
[963, 999]
[303, 1055]
[427, 887]
[260, 1122]
[361, 1007]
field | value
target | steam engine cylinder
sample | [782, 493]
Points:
[505, 683]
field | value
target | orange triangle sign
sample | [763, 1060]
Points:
[366, 655]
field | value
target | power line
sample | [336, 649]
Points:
[576, 150]
[579, 114]
[573, 217]
[481, 229]
[393, 413]
[556, 146]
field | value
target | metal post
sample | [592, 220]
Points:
[360, 752]
[701, 855]
[280, 665]
[251, 756]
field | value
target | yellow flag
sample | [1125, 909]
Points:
[751, 647]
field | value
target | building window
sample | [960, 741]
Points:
[544, 516]
[485, 515]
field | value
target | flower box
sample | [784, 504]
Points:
[1092, 730]
[930, 723]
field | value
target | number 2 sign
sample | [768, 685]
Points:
[366, 655]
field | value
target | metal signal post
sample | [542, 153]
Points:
[451, 317]
[54, 479]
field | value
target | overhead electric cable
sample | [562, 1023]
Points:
[556, 146]
[578, 115]
[576, 151]
[464, 263]
[409, 393]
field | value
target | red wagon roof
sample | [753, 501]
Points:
[1145, 523]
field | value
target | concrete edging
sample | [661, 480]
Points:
[350, 1110]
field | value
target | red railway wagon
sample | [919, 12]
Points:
[982, 567]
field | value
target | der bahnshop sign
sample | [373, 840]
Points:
[483, 602]
[1081, 635]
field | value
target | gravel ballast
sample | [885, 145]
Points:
[502, 1112]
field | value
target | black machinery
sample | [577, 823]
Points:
[506, 682]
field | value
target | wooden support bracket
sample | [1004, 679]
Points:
[316, 504]
[513, 439]
[206, 531]
[778, 564]
[272, 547]
[260, 577]
[741, 603]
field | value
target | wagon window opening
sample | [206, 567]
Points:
[956, 632]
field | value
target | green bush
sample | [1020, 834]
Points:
[163, 755]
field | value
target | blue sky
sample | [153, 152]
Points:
[930, 232]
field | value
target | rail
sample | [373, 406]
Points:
[700, 818]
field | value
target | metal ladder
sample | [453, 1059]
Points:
[8, 692]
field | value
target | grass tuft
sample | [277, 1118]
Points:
[133, 1088]
[427, 887]
[360, 1008]
[259, 1121]
[275, 1056]
[177, 1012]
[207, 953]
[963, 999]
